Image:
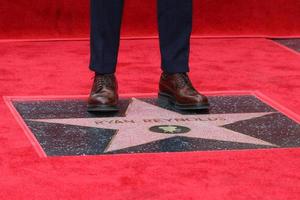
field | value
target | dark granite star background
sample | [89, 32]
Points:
[66, 140]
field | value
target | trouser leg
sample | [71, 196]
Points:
[175, 26]
[106, 17]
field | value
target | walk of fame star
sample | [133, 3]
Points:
[135, 128]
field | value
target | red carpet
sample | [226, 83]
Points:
[60, 68]
[66, 18]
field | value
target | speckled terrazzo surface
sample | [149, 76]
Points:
[293, 43]
[143, 125]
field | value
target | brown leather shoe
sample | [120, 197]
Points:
[104, 94]
[178, 90]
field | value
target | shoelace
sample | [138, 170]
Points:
[105, 81]
[182, 80]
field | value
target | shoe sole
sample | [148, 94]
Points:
[102, 108]
[165, 98]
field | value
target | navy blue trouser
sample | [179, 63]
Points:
[175, 26]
